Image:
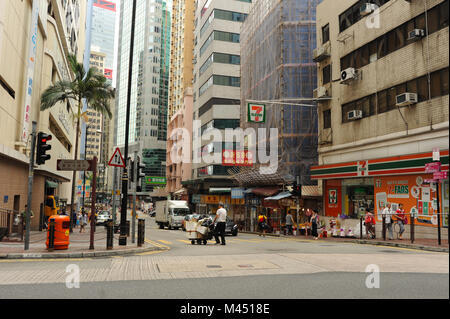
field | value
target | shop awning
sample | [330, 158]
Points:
[50, 184]
[266, 191]
[279, 196]
[220, 190]
[311, 191]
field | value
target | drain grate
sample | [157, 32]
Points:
[213, 266]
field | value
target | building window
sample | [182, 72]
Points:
[326, 72]
[326, 33]
[327, 119]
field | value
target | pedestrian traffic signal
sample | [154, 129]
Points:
[42, 148]
[140, 173]
[297, 189]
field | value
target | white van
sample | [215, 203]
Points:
[170, 213]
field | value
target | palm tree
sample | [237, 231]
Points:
[90, 86]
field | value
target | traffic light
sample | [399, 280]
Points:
[43, 147]
[140, 173]
[297, 189]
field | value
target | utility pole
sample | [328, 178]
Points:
[30, 187]
[133, 222]
[114, 195]
[123, 212]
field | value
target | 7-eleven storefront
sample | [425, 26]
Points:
[350, 188]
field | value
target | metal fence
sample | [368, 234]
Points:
[9, 222]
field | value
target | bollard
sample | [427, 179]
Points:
[412, 229]
[361, 227]
[109, 235]
[51, 235]
[128, 228]
[384, 227]
[141, 232]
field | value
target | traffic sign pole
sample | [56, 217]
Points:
[30, 187]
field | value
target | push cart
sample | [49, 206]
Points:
[199, 232]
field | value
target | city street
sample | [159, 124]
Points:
[249, 267]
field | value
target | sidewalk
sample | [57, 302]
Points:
[419, 244]
[78, 248]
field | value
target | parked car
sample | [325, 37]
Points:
[231, 227]
[188, 218]
[103, 217]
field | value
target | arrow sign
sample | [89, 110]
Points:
[117, 159]
[73, 165]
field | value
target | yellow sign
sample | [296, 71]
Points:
[67, 233]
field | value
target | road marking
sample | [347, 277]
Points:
[157, 244]
[165, 242]
[150, 253]
[184, 241]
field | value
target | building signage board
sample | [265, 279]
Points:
[237, 193]
[256, 113]
[30, 70]
[155, 180]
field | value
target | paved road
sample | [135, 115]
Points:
[249, 266]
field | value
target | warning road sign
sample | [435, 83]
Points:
[117, 159]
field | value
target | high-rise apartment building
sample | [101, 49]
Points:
[149, 91]
[383, 90]
[103, 32]
[216, 80]
[35, 39]
[182, 49]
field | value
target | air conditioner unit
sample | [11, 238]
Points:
[416, 34]
[348, 75]
[354, 115]
[406, 99]
[321, 53]
[367, 8]
[320, 92]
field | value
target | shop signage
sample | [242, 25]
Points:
[30, 71]
[332, 196]
[237, 193]
[433, 167]
[256, 113]
[210, 199]
[440, 175]
[397, 165]
[237, 158]
[196, 199]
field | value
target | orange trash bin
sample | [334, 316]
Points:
[62, 231]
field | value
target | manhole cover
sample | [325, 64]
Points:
[213, 266]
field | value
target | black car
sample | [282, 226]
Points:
[231, 227]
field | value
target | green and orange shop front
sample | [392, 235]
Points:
[350, 188]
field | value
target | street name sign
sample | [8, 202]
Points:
[74, 165]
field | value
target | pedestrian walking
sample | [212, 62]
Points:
[369, 221]
[221, 218]
[402, 220]
[83, 220]
[289, 223]
[262, 224]
[314, 225]
[387, 214]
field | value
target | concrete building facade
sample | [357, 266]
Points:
[216, 82]
[35, 39]
[383, 72]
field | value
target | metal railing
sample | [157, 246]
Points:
[9, 221]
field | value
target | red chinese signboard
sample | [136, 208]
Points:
[237, 158]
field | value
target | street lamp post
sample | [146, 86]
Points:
[123, 212]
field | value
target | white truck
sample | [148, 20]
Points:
[170, 213]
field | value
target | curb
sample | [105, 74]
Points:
[90, 254]
[418, 247]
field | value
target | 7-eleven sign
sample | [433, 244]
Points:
[256, 113]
